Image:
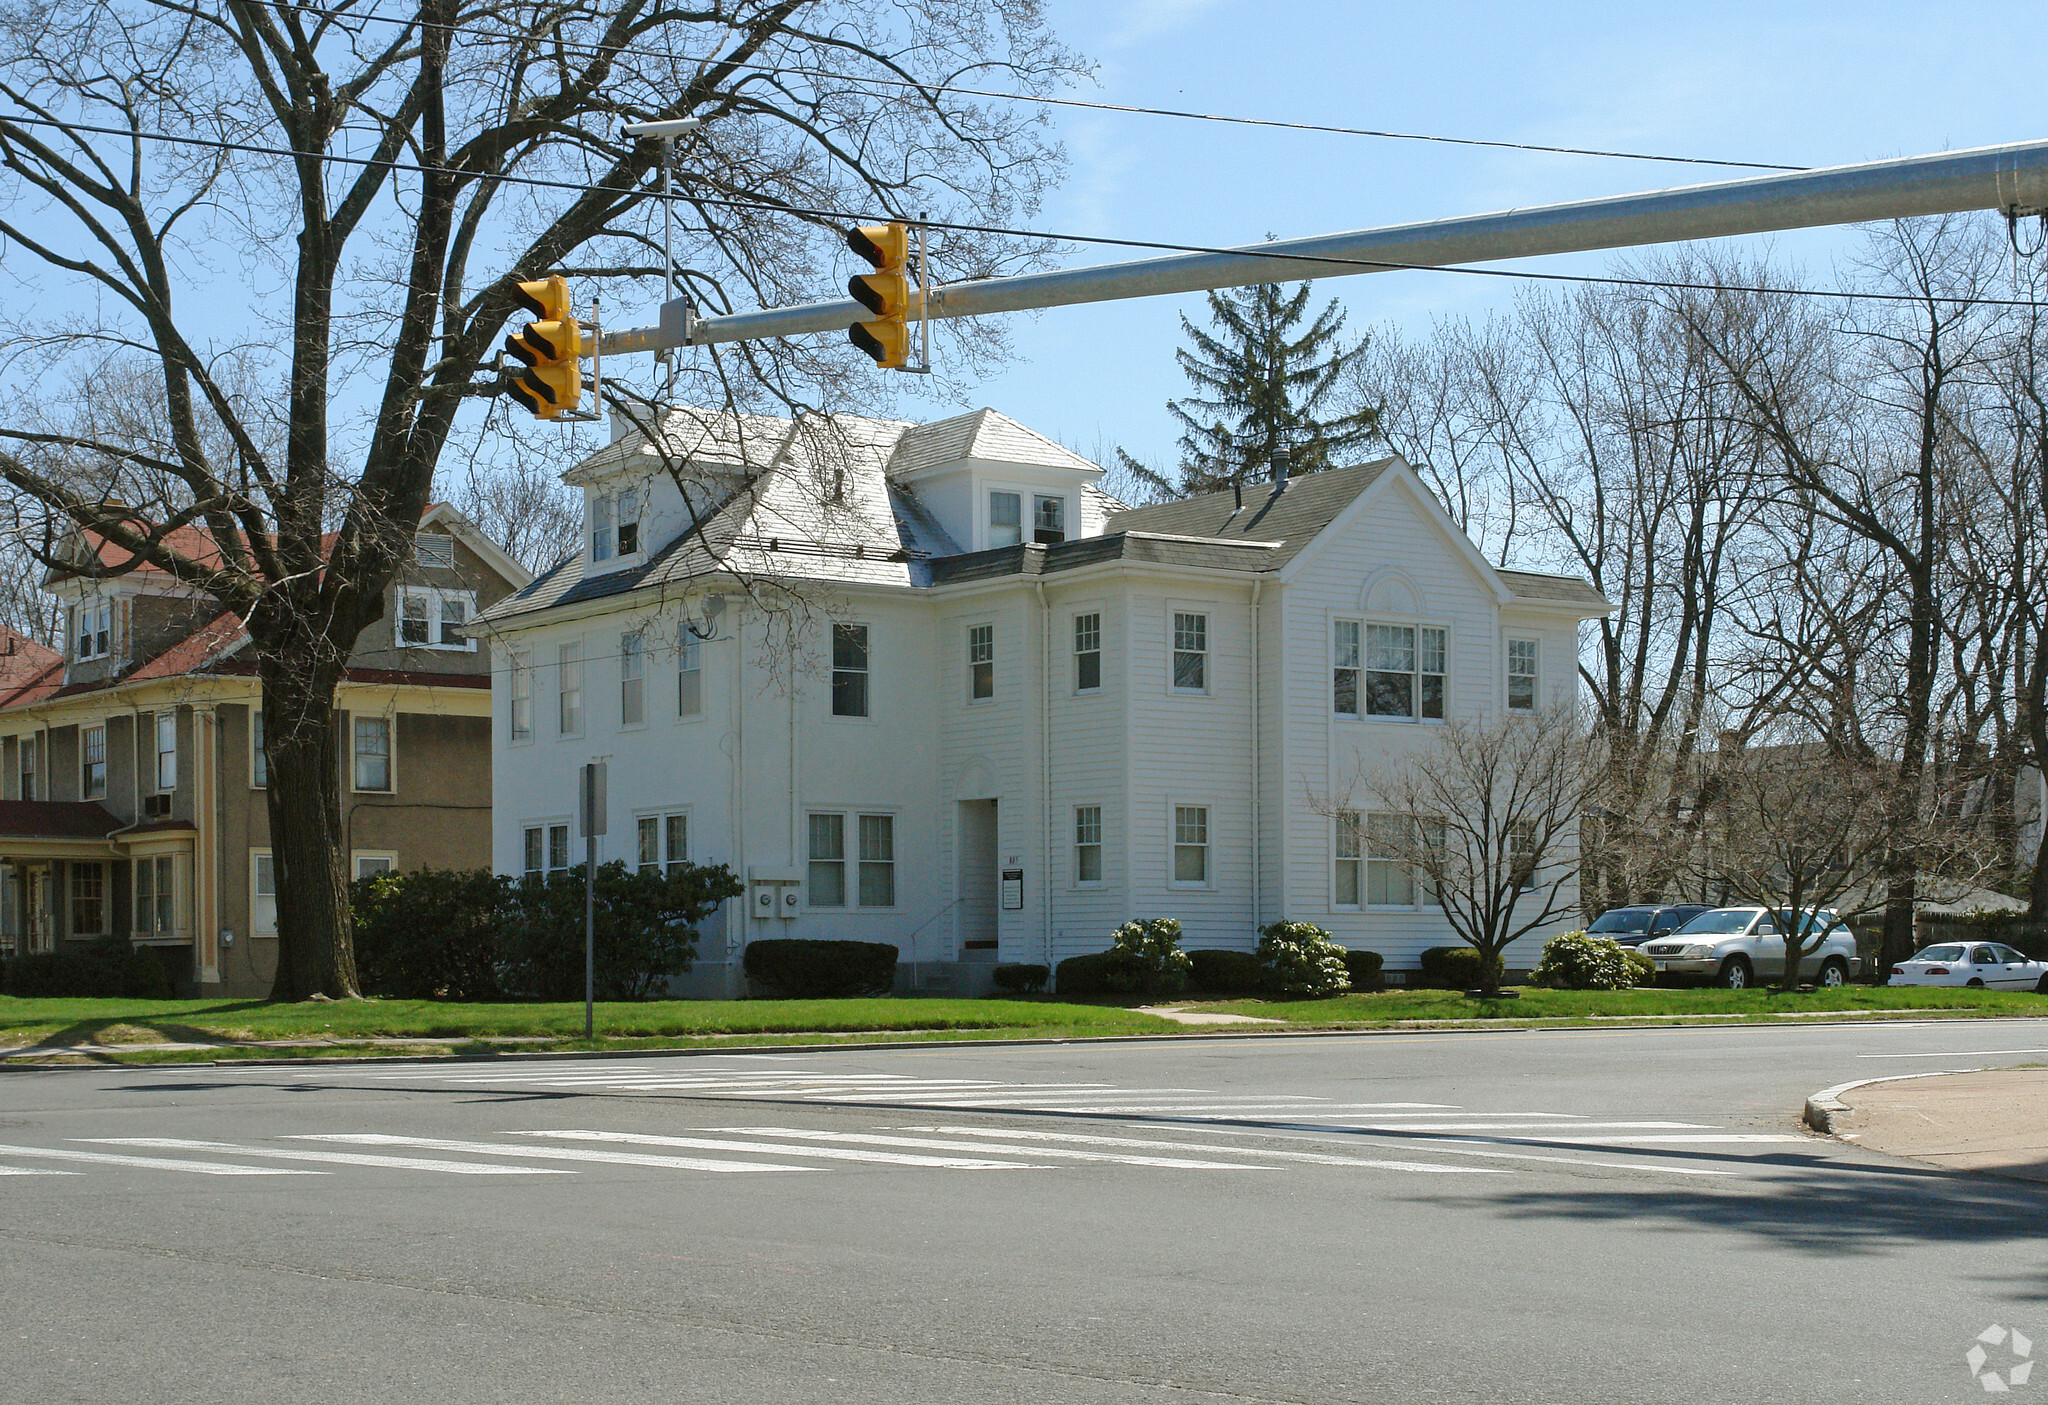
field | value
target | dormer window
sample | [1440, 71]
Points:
[1005, 519]
[614, 524]
[93, 630]
[1048, 520]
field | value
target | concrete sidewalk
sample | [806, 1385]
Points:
[1994, 1122]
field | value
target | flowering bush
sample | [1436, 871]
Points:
[1577, 961]
[1298, 958]
[1145, 958]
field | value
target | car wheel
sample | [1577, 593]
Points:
[1973, 983]
[2041, 986]
[1833, 974]
[1735, 973]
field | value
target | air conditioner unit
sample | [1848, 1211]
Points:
[156, 807]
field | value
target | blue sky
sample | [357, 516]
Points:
[1801, 83]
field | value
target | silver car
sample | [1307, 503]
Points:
[1739, 946]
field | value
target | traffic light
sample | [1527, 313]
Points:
[552, 383]
[885, 292]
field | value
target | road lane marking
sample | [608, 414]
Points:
[1517, 1124]
[153, 1163]
[1457, 1148]
[339, 1158]
[545, 1153]
[1564, 1134]
[35, 1171]
[1955, 1054]
[928, 1144]
[831, 1153]
[1311, 1157]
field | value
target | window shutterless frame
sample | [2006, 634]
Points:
[1088, 652]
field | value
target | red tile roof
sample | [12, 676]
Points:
[27, 669]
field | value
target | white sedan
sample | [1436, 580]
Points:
[1985, 964]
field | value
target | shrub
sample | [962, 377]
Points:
[433, 934]
[1223, 972]
[1452, 967]
[109, 967]
[1145, 958]
[1579, 961]
[1021, 979]
[646, 929]
[1083, 975]
[805, 969]
[1364, 969]
[1299, 959]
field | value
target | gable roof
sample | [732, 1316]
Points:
[980, 434]
[1291, 517]
[28, 670]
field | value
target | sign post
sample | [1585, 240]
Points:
[593, 825]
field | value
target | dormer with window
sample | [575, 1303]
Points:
[92, 629]
[992, 483]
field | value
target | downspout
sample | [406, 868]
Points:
[1258, 874]
[737, 839]
[1045, 762]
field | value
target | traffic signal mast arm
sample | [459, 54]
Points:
[2012, 178]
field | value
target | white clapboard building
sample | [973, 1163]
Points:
[928, 685]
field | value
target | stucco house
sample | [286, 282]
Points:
[927, 684]
[132, 766]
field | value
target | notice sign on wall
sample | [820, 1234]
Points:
[1013, 888]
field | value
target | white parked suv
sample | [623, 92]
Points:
[1739, 946]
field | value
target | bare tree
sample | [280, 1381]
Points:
[1484, 816]
[309, 224]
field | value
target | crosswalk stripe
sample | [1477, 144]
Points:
[1268, 1153]
[1566, 1135]
[1468, 1147]
[546, 1153]
[154, 1163]
[35, 1171]
[887, 1158]
[1064, 1153]
[1558, 1127]
[339, 1158]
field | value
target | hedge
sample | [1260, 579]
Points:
[1364, 969]
[1082, 975]
[1223, 972]
[1144, 958]
[804, 969]
[110, 967]
[1451, 967]
[1021, 979]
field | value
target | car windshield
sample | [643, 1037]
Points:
[1720, 920]
[1627, 919]
[1939, 953]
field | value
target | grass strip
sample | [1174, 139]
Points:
[1652, 1003]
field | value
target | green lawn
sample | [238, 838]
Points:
[116, 1022]
[1396, 1006]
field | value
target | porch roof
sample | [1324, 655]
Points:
[55, 819]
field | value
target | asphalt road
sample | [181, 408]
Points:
[1610, 1215]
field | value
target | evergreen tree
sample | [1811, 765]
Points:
[1260, 390]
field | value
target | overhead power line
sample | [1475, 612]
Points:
[606, 50]
[1005, 231]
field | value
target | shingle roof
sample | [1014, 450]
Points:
[55, 819]
[1310, 503]
[1031, 559]
[26, 667]
[980, 434]
[1540, 585]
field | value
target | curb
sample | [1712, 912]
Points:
[1825, 1106]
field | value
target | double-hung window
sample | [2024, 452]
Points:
[1087, 843]
[664, 843]
[689, 674]
[259, 755]
[827, 861]
[262, 893]
[93, 762]
[166, 752]
[601, 539]
[1048, 520]
[569, 682]
[95, 629]
[1005, 519]
[520, 715]
[1521, 675]
[373, 753]
[155, 896]
[1087, 652]
[1190, 652]
[981, 662]
[1405, 666]
[628, 512]
[1191, 846]
[849, 670]
[28, 768]
[1393, 844]
[632, 680]
[1344, 660]
[88, 899]
[1347, 873]
[1522, 852]
[877, 860]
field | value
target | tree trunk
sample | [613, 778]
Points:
[308, 848]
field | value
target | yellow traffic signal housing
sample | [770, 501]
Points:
[552, 384]
[885, 292]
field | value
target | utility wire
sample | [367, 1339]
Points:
[1005, 231]
[611, 50]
